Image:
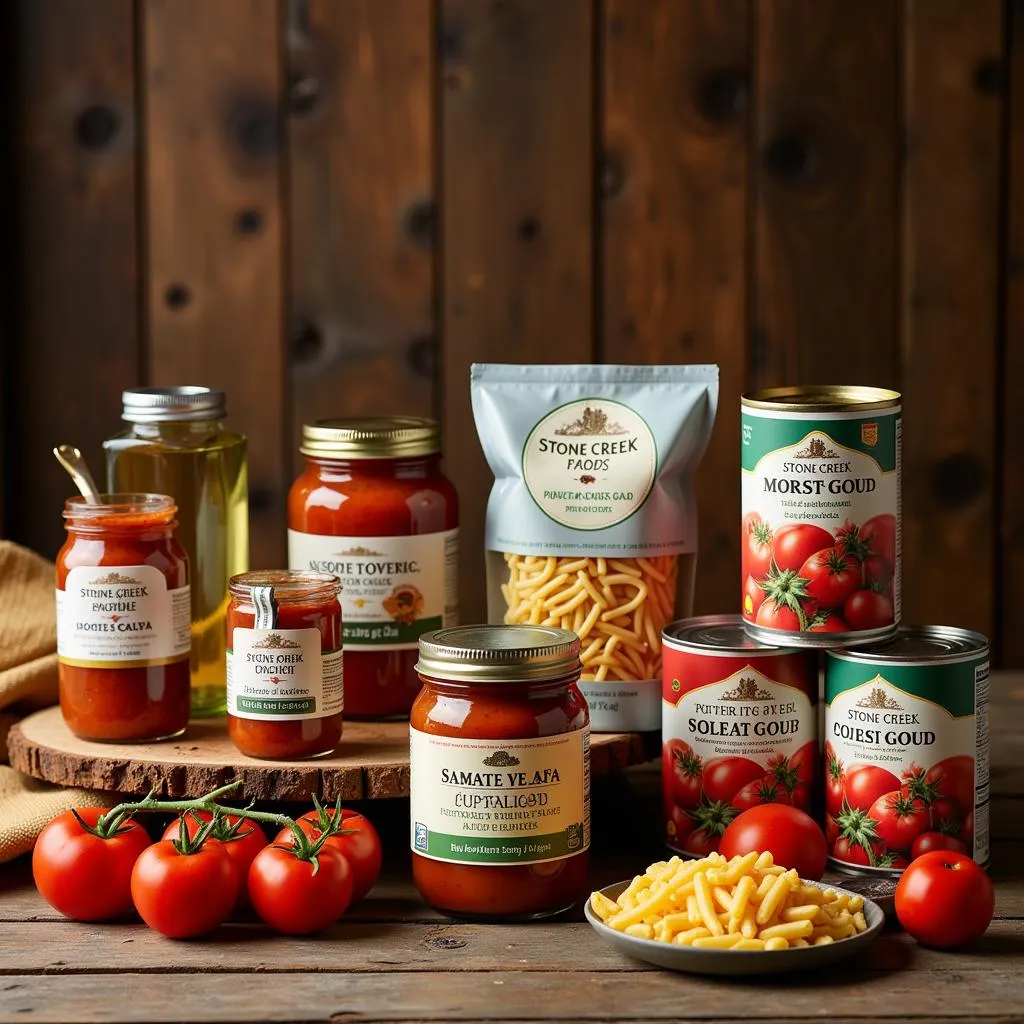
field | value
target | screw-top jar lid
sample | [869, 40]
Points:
[371, 437]
[513, 653]
[166, 405]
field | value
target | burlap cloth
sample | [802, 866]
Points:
[28, 681]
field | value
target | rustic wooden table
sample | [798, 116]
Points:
[395, 959]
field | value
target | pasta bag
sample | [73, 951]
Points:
[592, 519]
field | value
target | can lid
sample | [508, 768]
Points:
[371, 437]
[499, 653]
[821, 398]
[165, 405]
[919, 643]
[715, 634]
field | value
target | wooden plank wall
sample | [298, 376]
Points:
[332, 207]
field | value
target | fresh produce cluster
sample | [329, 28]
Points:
[799, 576]
[96, 865]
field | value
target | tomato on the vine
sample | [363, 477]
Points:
[683, 773]
[830, 576]
[829, 623]
[865, 783]
[297, 896]
[899, 819]
[724, 777]
[835, 779]
[753, 597]
[678, 825]
[933, 840]
[761, 791]
[876, 571]
[944, 899]
[880, 534]
[790, 835]
[772, 615]
[792, 545]
[82, 875]
[954, 777]
[868, 609]
[853, 852]
[701, 842]
[757, 548]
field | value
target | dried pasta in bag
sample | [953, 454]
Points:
[592, 522]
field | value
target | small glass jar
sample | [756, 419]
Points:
[123, 619]
[500, 772]
[373, 507]
[284, 671]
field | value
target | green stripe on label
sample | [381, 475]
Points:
[287, 706]
[762, 435]
[949, 686]
[388, 632]
[515, 850]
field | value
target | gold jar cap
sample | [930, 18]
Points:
[499, 654]
[371, 437]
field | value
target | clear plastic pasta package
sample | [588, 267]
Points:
[592, 519]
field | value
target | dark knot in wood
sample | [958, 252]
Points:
[443, 942]
[528, 229]
[96, 126]
[612, 176]
[791, 158]
[958, 480]
[254, 128]
[177, 296]
[261, 500]
[421, 222]
[249, 221]
[422, 356]
[303, 92]
[989, 76]
[721, 96]
[307, 342]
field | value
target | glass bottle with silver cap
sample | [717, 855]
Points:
[176, 443]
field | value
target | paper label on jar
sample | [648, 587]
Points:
[512, 801]
[115, 616]
[281, 675]
[393, 589]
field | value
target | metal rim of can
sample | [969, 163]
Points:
[923, 645]
[729, 627]
[819, 398]
[822, 641]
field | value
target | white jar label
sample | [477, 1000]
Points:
[281, 675]
[393, 589]
[114, 616]
[499, 801]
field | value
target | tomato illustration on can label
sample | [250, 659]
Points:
[739, 728]
[820, 531]
[906, 750]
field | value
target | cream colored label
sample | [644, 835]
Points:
[120, 615]
[281, 675]
[393, 589]
[499, 801]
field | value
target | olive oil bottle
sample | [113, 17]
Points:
[176, 443]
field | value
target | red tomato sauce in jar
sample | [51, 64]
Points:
[123, 619]
[500, 772]
[739, 728]
[373, 507]
[284, 678]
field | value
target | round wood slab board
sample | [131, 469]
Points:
[371, 763]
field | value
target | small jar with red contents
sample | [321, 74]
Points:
[499, 787]
[284, 670]
[123, 635]
[373, 507]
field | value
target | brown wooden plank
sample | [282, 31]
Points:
[516, 215]
[361, 201]
[1010, 598]
[673, 247]
[888, 995]
[213, 85]
[949, 309]
[825, 217]
[77, 343]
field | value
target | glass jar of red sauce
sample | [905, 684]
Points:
[373, 507]
[284, 671]
[500, 772]
[123, 619]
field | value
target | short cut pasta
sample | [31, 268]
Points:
[617, 606]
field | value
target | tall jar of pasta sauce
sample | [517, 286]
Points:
[285, 688]
[499, 783]
[123, 619]
[374, 508]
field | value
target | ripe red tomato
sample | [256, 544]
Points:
[765, 790]
[701, 842]
[757, 548]
[830, 576]
[944, 815]
[865, 783]
[241, 838]
[880, 534]
[966, 834]
[866, 609]
[954, 777]
[831, 831]
[292, 897]
[790, 835]
[753, 598]
[792, 545]
[877, 571]
[899, 819]
[831, 623]
[805, 762]
[856, 853]
[184, 894]
[944, 899]
[932, 840]
[777, 616]
[835, 779]
[361, 846]
[724, 777]
[81, 875]
[678, 826]
[683, 773]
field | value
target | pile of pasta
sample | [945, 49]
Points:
[617, 607]
[747, 903]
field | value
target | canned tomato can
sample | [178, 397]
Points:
[739, 728]
[906, 749]
[821, 515]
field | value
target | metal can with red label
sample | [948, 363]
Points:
[906, 749]
[739, 728]
[821, 515]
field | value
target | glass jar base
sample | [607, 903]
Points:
[135, 741]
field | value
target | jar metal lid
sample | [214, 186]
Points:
[371, 437]
[172, 405]
[514, 653]
[813, 398]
